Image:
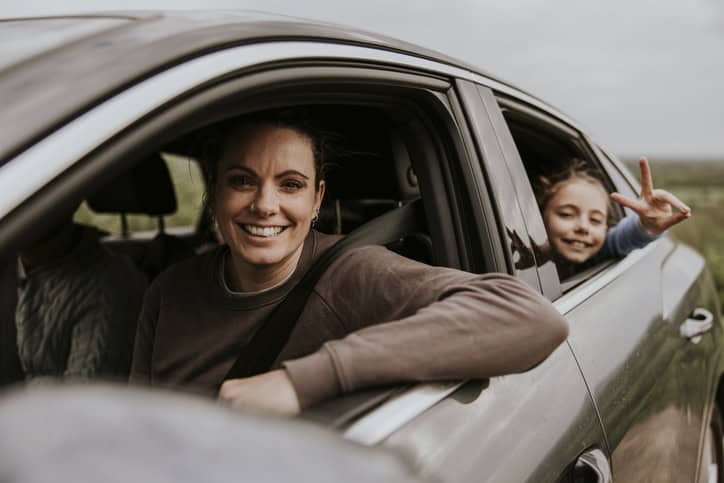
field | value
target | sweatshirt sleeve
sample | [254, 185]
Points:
[408, 321]
[624, 238]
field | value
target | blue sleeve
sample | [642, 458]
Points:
[624, 238]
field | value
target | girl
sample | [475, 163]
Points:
[576, 212]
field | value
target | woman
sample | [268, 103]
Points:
[374, 317]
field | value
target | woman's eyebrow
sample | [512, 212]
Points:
[291, 172]
[242, 168]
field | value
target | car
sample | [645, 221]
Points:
[96, 106]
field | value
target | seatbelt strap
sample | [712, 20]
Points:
[260, 353]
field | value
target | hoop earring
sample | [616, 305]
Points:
[315, 218]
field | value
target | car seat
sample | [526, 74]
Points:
[144, 189]
[365, 185]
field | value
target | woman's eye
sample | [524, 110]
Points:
[240, 181]
[596, 221]
[292, 185]
[565, 214]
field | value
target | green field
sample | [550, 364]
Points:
[701, 186]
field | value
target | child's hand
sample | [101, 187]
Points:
[654, 206]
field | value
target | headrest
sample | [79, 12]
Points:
[372, 175]
[144, 189]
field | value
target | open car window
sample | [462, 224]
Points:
[393, 144]
[549, 151]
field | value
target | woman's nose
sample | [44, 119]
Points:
[266, 202]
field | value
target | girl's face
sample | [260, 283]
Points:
[575, 219]
[265, 197]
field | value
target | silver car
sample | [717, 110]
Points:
[633, 396]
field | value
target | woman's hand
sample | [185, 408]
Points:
[271, 392]
[654, 206]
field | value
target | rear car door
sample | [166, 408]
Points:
[689, 307]
[648, 379]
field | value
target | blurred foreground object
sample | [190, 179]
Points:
[113, 434]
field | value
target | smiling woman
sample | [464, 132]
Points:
[266, 195]
[367, 317]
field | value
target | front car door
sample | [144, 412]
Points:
[514, 428]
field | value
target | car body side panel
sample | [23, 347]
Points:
[523, 427]
[632, 359]
[689, 301]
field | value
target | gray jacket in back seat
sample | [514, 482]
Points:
[76, 313]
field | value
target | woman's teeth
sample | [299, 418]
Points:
[265, 231]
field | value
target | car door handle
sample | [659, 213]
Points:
[592, 467]
[700, 321]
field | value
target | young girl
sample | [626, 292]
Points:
[577, 210]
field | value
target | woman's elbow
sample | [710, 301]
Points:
[549, 329]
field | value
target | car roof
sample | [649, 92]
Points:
[66, 64]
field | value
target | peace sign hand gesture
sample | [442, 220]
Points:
[654, 206]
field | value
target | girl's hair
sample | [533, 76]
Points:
[213, 139]
[576, 170]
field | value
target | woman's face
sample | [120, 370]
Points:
[575, 219]
[264, 197]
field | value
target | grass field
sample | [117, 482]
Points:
[701, 186]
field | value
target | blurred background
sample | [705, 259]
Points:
[644, 77]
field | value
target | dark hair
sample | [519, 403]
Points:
[213, 141]
[546, 187]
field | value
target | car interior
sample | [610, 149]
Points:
[370, 174]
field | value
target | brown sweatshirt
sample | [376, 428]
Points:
[374, 317]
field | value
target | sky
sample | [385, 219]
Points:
[643, 77]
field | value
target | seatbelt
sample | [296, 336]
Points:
[259, 354]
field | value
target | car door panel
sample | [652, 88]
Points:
[632, 357]
[689, 306]
[646, 381]
[523, 427]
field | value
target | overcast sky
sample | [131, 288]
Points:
[643, 76]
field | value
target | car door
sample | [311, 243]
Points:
[536, 426]
[631, 352]
[689, 305]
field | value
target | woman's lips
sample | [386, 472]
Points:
[263, 231]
